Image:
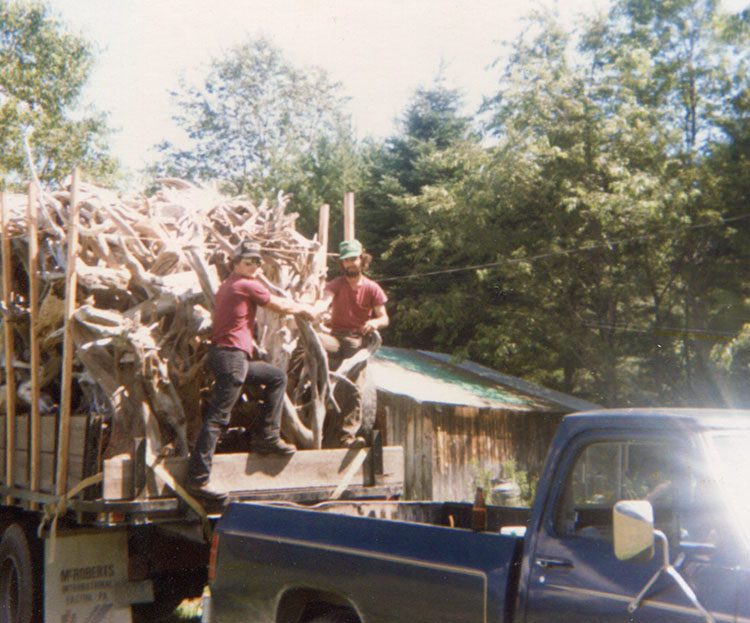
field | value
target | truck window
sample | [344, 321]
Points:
[605, 472]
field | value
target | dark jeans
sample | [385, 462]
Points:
[232, 370]
[340, 346]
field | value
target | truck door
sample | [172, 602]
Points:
[573, 572]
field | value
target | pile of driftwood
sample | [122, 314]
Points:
[147, 268]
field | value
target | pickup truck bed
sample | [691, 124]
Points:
[426, 570]
[679, 478]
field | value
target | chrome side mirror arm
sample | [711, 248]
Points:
[669, 569]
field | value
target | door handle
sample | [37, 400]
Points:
[553, 563]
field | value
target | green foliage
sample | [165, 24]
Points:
[526, 484]
[43, 68]
[517, 479]
[410, 209]
[482, 479]
[260, 125]
[188, 610]
[602, 230]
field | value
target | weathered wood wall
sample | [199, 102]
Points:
[403, 424]
[446, 446]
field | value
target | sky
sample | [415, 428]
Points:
[380, 51]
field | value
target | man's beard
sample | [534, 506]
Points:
[353, 271]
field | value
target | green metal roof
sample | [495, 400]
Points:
[433, 377]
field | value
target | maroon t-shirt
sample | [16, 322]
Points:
[234, 315]
[351, 308]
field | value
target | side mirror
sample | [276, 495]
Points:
[633, 522]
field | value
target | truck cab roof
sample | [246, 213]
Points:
[695, 419]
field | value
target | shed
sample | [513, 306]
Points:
[462, 424]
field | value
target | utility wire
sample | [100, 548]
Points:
[564, 252]
[677, 332]
[656, 331]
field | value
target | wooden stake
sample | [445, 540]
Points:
[323, 220]
[36, 422]
[349, 216]
[71, 283]
[10, 379]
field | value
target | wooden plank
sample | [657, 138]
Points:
[10, 380]
[33, 242]
[349, 216]
[321, 257]
[68, 346]
[323, 219]
[251, 472]
[48, 433]
[408, 415]
[427, 441]
[46, 470]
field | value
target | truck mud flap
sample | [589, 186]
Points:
[88, 579]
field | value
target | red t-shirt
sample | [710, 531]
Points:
[234, 315]
[351, 308]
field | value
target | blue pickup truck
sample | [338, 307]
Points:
[640, 516]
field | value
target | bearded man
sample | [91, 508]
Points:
[357, 305]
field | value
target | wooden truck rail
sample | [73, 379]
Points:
[42, 455]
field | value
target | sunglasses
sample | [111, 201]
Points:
[252, 261]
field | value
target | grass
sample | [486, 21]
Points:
[189, 611]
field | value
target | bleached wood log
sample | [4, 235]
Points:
[146, 276]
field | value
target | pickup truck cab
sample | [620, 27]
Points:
[574, 556]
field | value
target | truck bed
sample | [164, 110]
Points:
[392, 561]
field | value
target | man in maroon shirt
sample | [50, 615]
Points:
[357, 306]
[230, 358]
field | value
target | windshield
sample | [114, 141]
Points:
[732, 470]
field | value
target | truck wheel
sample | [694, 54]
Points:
[19, 594]
[336, 616]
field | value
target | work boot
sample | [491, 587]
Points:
[353, 443]
[274, 446]
[205, 491]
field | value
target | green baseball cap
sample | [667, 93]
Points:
[350, 248]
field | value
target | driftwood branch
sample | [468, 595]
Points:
[147, 271]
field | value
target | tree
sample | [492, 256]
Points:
[730, 164]
[404, 219]
[564, 196]
[686, 64]
[260, 125]
[617, 150]
[597, 245]
[43, 68]
[408, 162]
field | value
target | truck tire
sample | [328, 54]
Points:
[19, 587]
[336, 616]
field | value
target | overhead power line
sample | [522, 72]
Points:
[549, 254]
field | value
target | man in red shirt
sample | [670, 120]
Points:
[230, 359]
[357, 306]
